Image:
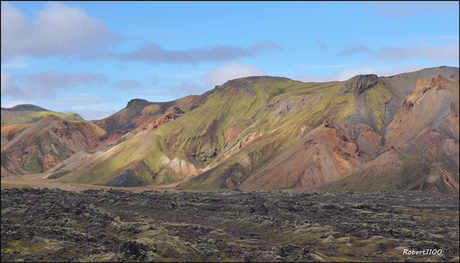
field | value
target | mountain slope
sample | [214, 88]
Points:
[363, 134]
[27, 113]
[425, 133]
[37, 147]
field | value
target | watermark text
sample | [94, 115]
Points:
[425, 252]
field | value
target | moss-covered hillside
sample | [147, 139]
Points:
[27, 113]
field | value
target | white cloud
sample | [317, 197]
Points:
[448, 52]
[223, 73]
[7, 82]
[58, 29]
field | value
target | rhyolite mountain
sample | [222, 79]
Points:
[46, 145]
[368, 133]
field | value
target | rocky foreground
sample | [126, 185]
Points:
[118, 225]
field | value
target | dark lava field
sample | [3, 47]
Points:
[119, 225]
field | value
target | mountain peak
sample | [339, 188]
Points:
[358, 84]
[139, 102]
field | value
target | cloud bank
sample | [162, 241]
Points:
[44, 84]
[152, 53]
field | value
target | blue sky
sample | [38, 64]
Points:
[93, 57]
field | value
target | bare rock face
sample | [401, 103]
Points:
[232, 132]
[358, 84]
[170, 115]
[49, 162]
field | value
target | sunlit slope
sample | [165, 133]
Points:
[191, 142]
[363, 124]
[276, 133]
[269, 157]
[135, 156]
[27, 113]
[267, 115]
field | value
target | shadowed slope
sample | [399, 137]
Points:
[425, 133]
[44, 144]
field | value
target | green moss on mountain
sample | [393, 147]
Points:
[25, 107]
[33, 163]
[30, 113]
[378, 96]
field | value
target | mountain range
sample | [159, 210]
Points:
[365, 134]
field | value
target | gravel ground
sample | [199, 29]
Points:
[119, 225]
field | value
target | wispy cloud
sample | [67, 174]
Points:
[175, 35]
[321, 47]
[45, 84]
[57, 30]
[438, 53]
[127, 84]
[354, 50]
[151, 52]
[429, 51]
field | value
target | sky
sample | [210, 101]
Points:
[93, 57]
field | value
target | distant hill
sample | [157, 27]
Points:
[28, 113]
[39, 146]
[25, 107]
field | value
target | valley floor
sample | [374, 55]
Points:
[118, 225]
[41, 181]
